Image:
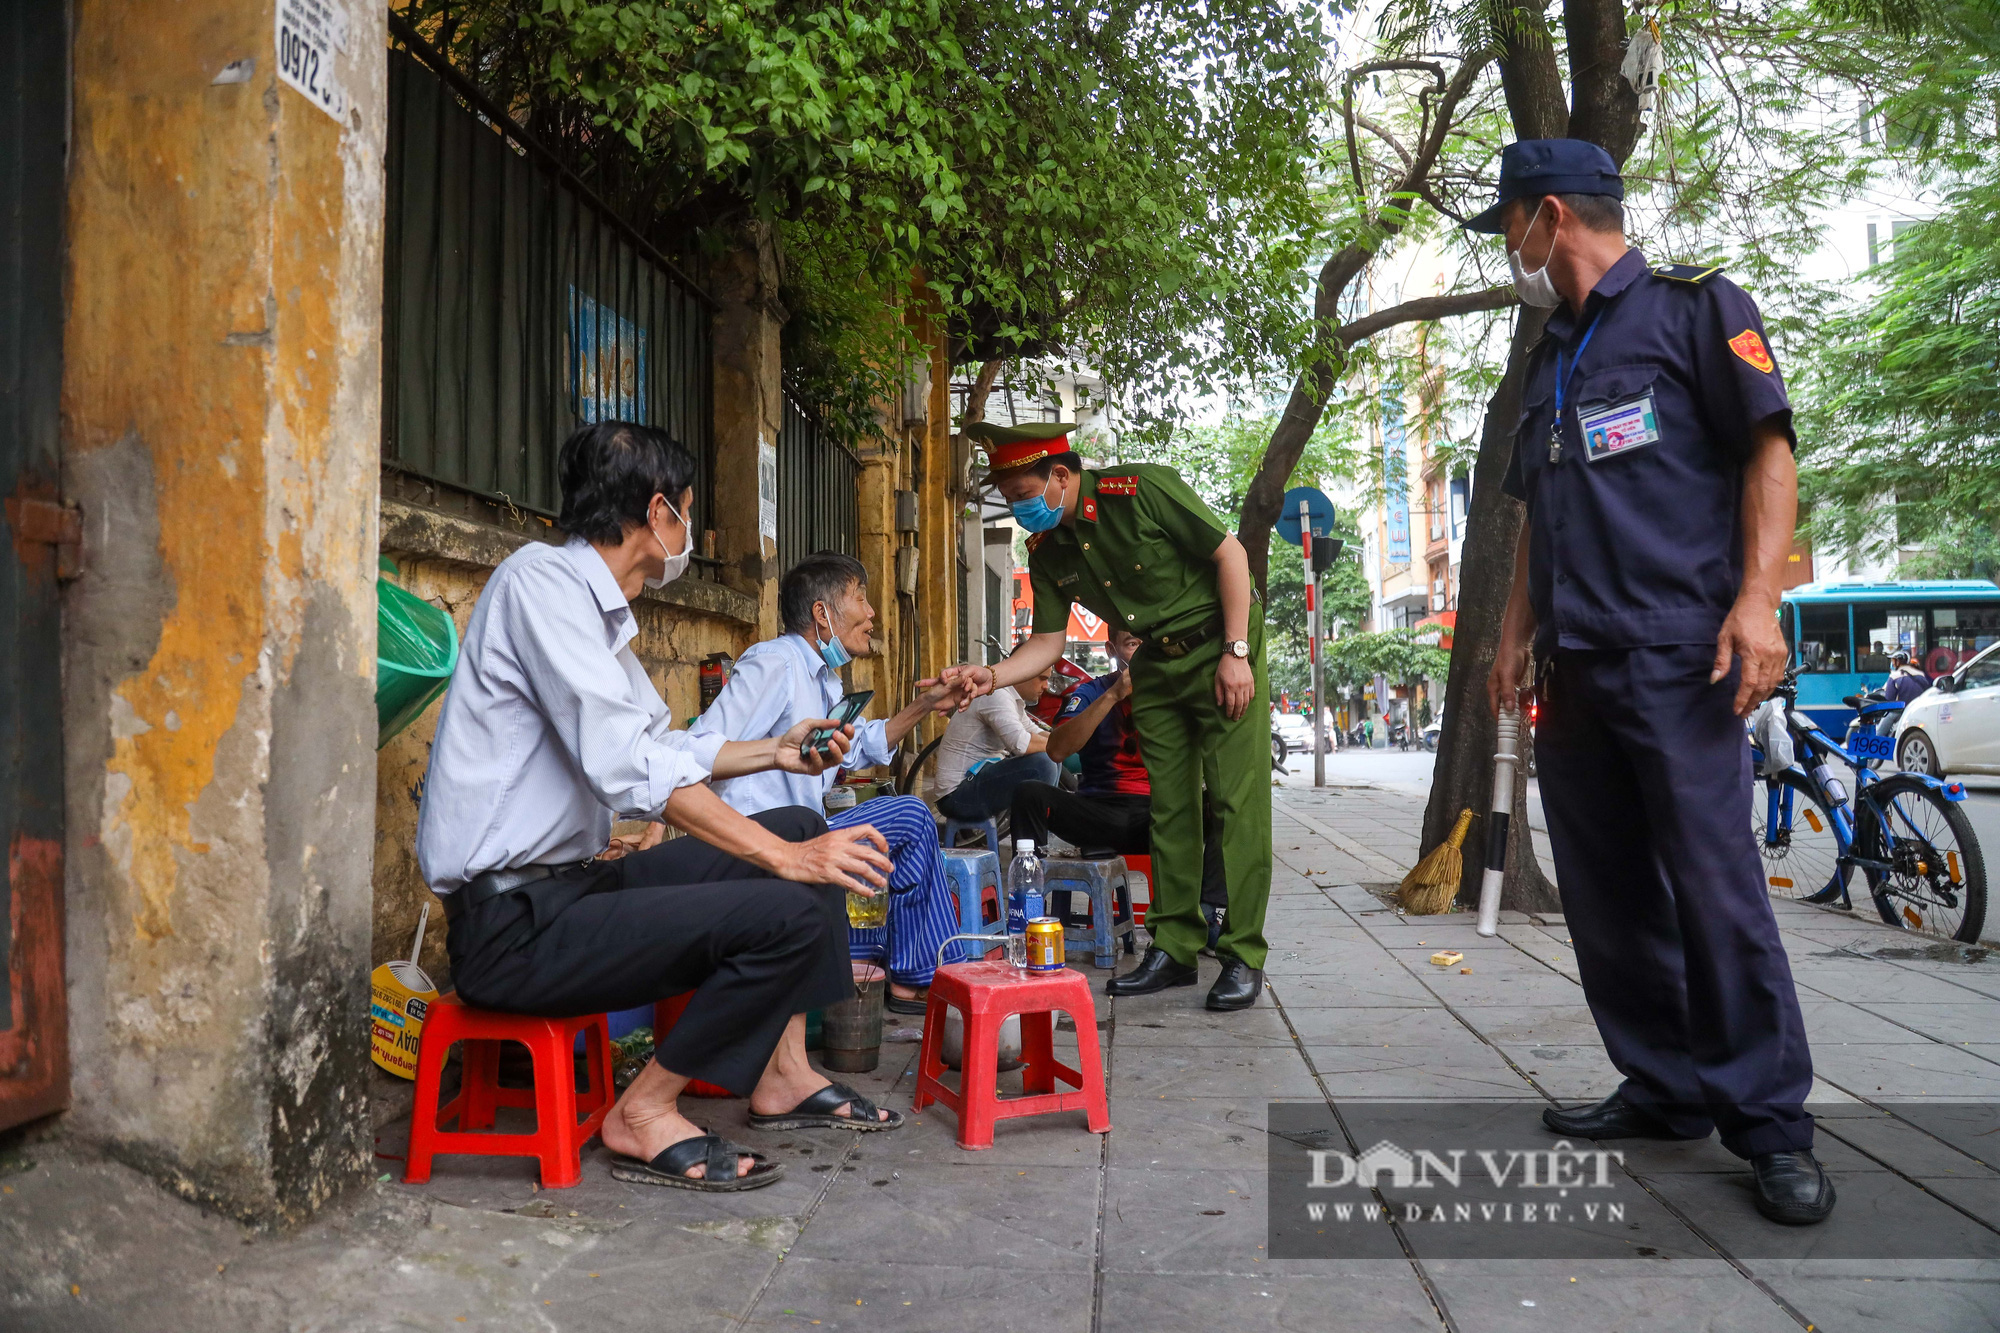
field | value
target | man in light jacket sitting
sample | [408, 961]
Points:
[823, 605]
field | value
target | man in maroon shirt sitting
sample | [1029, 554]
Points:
[1112, 806]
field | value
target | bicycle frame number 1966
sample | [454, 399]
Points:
[1873, 747]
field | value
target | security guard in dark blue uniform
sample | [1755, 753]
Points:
[1654, 452]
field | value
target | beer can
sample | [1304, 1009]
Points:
[1045, 945]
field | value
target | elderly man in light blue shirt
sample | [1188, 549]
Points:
[550, 731]
[823, 604]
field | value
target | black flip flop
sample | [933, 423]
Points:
[916, 1004]
[817, 1112]
[712, 1151]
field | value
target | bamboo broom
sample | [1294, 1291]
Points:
[1430, 888]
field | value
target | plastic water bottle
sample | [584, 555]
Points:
[1024, 898]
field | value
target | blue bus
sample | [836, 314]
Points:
[1841, 635]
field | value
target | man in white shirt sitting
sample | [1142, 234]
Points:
[823, 604]
[550, 731]
[991, 748]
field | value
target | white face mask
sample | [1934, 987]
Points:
[676, 564]
[1536, 288]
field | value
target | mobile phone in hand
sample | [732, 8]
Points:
[844, 712]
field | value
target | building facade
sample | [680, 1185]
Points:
[272, 336]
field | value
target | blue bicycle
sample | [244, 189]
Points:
[1905, 832]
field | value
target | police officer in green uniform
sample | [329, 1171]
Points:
[1138, 547]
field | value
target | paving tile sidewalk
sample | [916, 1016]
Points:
[1159, 1225]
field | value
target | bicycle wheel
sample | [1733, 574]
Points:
[1800, 849]
[1936, 878]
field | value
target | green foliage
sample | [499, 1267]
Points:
[1345, 598]
[1905, 398]
[845, 346]
[1900, 393]
[1127, 183]
[1354, 659]
[1219, 460]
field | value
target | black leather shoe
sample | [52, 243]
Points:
[1792, 1187]
[1157, 971]
[1238, 987]
[1612, 1118]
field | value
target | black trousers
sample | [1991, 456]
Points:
[1646, 779]
[1119, 821]
[678, 917]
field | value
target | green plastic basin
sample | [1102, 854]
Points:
[417, 647]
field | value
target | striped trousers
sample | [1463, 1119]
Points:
[923, 911]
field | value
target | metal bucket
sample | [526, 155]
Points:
[851, 1031]
[952, 1049]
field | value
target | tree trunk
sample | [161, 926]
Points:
[982, 388]
[1603, 107]
[1266, 493]
[1605, 111]
[1462, 778]
[1528, 73]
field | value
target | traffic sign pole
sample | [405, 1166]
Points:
[1313, 635]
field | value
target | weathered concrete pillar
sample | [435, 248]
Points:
[221, 405]
[749, 412]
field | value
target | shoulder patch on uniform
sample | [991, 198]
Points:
[1689, 273]
[1087, 510]
[1751, 348]
[1117, 485]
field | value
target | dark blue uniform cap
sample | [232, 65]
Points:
[1535, 167]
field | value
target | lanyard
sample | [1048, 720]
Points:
[1563, 380]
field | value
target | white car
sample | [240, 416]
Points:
[1954, 727]
[1295, 730]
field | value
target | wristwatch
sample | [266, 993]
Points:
[1238, 647]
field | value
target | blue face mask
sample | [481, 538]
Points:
[833, 652]
[1034, 513]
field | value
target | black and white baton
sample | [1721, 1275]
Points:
[1504, 759]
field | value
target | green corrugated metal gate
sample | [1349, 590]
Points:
[516, 306]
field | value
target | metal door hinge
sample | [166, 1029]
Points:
[49, 523]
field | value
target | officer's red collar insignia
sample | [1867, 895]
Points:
[1751, 348]
[1034, 540]
[1088, 509]
[1117, 485]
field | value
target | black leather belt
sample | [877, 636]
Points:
[493, 883]
[1181, 644]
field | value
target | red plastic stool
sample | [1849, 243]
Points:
[667, 1013]
[986, 994]
[559, 1135]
